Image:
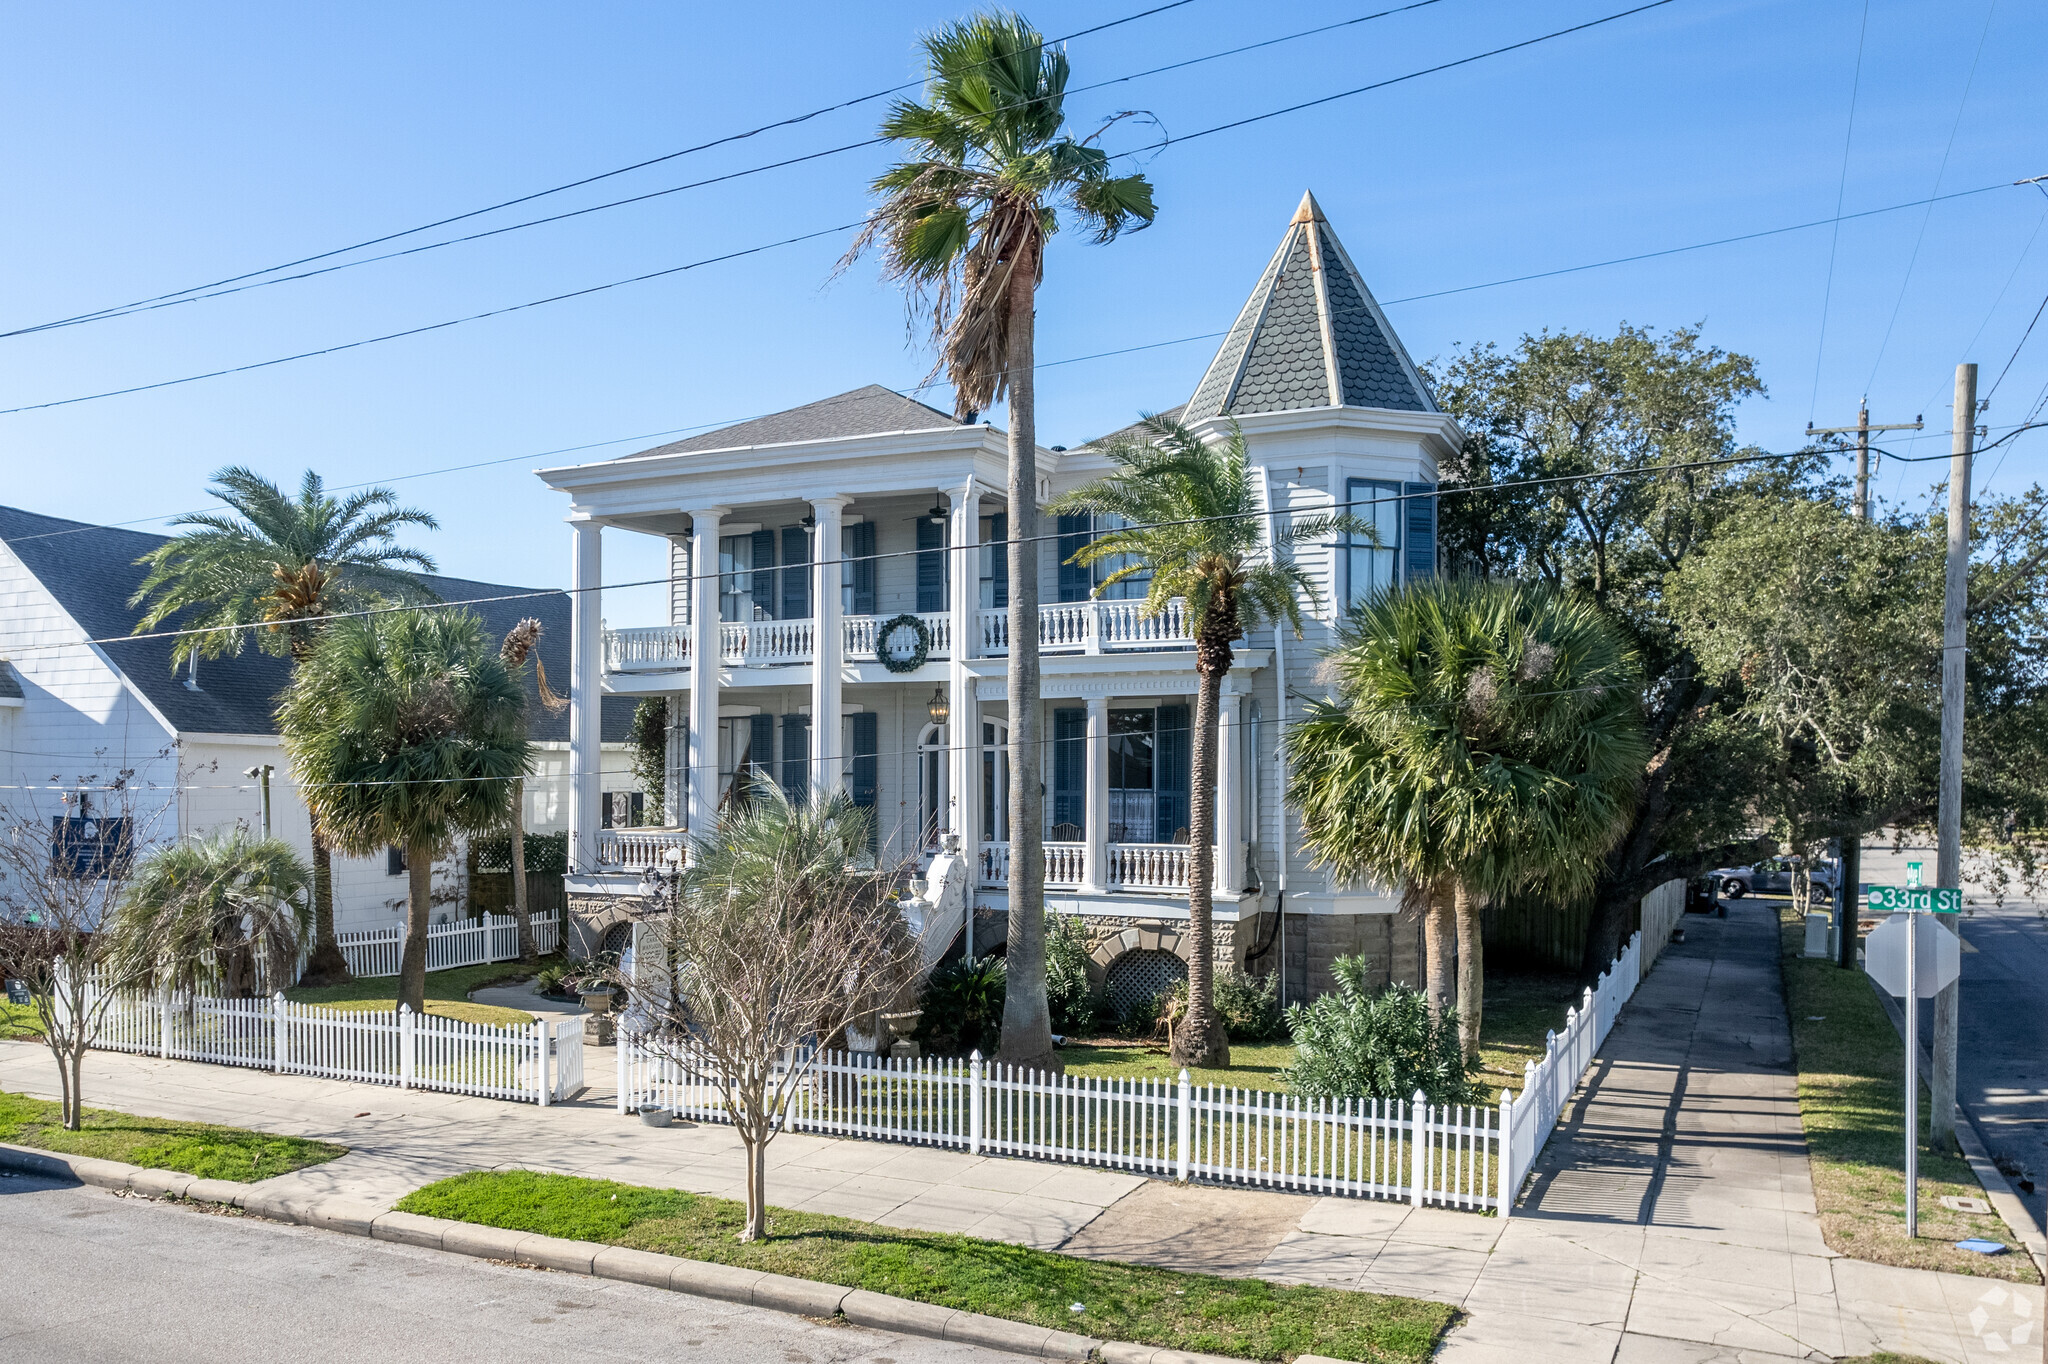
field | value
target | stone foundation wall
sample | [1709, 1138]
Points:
[591, 915]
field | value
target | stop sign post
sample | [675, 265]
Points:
[1909, 955]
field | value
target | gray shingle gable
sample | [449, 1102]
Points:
[91, 571]
[867, 411]
[1277, 355]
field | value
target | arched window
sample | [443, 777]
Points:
[995, 781]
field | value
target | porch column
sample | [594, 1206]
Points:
[828, 646]
[963, 726]
[1229, 809]
[586, 689]
[702, 808]
[675, 774]
[1095, 816]
[963, 610]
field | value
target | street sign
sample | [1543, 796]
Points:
[1940, 957]
[1925, 899]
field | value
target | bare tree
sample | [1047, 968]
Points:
[783, 932]
[64, 864]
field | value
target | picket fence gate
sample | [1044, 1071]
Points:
[473, 942]
[540, 1063]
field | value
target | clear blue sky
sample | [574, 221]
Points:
[152, 148]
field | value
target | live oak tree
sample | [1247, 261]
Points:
[963, 225]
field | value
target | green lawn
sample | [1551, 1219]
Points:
[193, 1148]
[447, 993]
[19, 1020]
[1245, 1317]
[1852, 1100]
[1253, 1065]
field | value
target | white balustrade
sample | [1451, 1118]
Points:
[647, 650]
[1149, 866]
[1124, 625]
[638, 849]
[995, 864]
[1068, 627]
[1064, 863]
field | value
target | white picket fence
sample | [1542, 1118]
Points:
[1413, 1150]
[540, 1063]
[471, 942]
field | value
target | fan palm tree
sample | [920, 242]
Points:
[1193, 522]
[963, 225]
[285, 564]
[1486, 735]
[406, 729]
[227, 908]
[519, 643]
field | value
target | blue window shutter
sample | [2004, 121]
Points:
[1171, 773]
[764, 575]
[931, 565]
[859, 546]
[796, 757]
[867, 769]
[759, 759]
[1073, 530]
[796, 574]
[999, 557]
[1070, 766]
[1420, 549]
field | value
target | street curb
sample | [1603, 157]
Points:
[2004, 1199]
[699, 1278]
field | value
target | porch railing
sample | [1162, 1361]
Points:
[1132, 866]
[638, 849]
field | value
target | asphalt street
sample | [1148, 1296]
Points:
[94, 1276]
[2002, 1054]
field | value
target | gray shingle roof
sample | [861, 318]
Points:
[1136, 429]
[91, 571]
[1309, 312]
[865, 411]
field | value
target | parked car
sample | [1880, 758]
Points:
[1773, 876]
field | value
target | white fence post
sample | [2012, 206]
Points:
[163, 1021]
[277, 1032]
[1418, 1137]
[540, 1042]
[625, 1044]
[405, 1055]
[1187, 1128]
[974, 1114]
[1506, 1146]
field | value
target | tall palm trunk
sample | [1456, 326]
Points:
[1027, 1023]
[522, 909]
[1471, 969]
[1439, 948]
[327, 966]
[1201, 1039]
[412, 963]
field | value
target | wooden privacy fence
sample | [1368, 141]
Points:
[540, 1063]
[471, 942]
[1411, 1150]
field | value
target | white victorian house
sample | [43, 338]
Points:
[837, 619]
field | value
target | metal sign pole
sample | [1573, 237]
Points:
[1912, 1072]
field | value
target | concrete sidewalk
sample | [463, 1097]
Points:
[1671, 1218]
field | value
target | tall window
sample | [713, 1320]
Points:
[1149, 775]
[995, 781]
[1078, 582]
[931, 564]
[1372, 568]
[735, 577]
[995, 562]
[857, 574]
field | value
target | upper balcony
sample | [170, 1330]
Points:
[1087, 627]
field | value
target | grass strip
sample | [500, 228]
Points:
[447, 993]
[1248, 1318]
[193, 1148]
[1852, 1079]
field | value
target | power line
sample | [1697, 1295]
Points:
[755, 250]
[573, 184]
[1841, 188]
[172, 301]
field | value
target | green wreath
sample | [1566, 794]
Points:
[917, 659]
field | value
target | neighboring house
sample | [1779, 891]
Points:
[903, 647]
[81, 704]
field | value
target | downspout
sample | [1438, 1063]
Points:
[1280, 745]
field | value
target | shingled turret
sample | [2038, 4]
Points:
[1311, 335]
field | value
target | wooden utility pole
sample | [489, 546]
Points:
[1861, 430]
[1948, 854]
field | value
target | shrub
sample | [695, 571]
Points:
[1067, 993]
[1249, 1006]
[1353, 1044]
[963, 1006]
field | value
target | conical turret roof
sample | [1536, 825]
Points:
[1310, 335]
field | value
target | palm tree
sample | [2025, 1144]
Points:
[1193, 523]
[963, 224]
[405, 729]
[520, 642]
[286, 564]
[227, 908]
[1487, 735]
